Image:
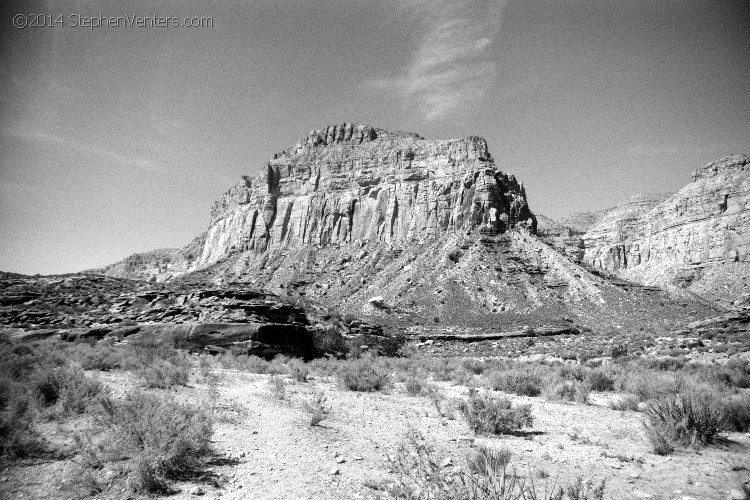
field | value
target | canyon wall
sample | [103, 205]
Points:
[705, 223]
[347, 183]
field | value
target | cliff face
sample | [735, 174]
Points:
[347, 183]
[698, 238]
[706, 222]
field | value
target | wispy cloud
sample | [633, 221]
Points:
[128, 160]
[451, 68]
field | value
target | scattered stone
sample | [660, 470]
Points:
[736, 494]
[335, 471]
[196, 491]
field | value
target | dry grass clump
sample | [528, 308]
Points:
[601, 381]
[686, 419]
[103, 355]
[298, 370]
[568, 390]
[737, 412]
[157, 364]
[420, 473]
[18, 437]
[317, 408]
[163, 373]
[414, 386]
[66, 389]
[492, 415]
[277, 387]
[242, 362]
[363, 375]
[151, 439]
[523, 382]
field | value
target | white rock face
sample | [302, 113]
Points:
[347, 183]
[705, 223]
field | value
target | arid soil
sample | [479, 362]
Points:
[265, 448]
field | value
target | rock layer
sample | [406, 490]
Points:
[706, 222]
[347, 183]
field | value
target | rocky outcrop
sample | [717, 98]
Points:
[703, 230]
[706, 222]
[157, 265]
[352, 183]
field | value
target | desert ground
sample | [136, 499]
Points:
[374, 426]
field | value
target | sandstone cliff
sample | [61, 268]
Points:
[697, 239]
[347, 183]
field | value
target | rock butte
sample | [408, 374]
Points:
[347, 183]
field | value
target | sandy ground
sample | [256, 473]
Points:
[266, 448]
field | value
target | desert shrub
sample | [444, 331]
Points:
[68, 388]
[327, 339]
[567, 390]
[487, 461]
[488, 414]
[736, 373]
[18, 437]
[243, 362]
[298, 370]
[101, 356]
[317, 409]
[524, 382]
[624, 403]
[420, 474]
[324, 366]
[278, 365]
[363, 375]
[737, 413]
[442, 369]
[572, 372]
[163, 373]
[649, 385]
[146, 351]
[474, 366]
[413, 386]
[580, 490]
[277, 387]
[618, 351]
[598, 380]
[685, 419]
[159, 438]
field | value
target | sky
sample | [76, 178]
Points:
[117, 139]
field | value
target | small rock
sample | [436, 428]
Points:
[335, 471]
[737, 495]
[196, 491]
[340, 459]
[447, 462]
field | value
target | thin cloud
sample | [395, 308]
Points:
[450, 69]
[134, 161]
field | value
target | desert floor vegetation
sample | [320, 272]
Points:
[115, 420]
